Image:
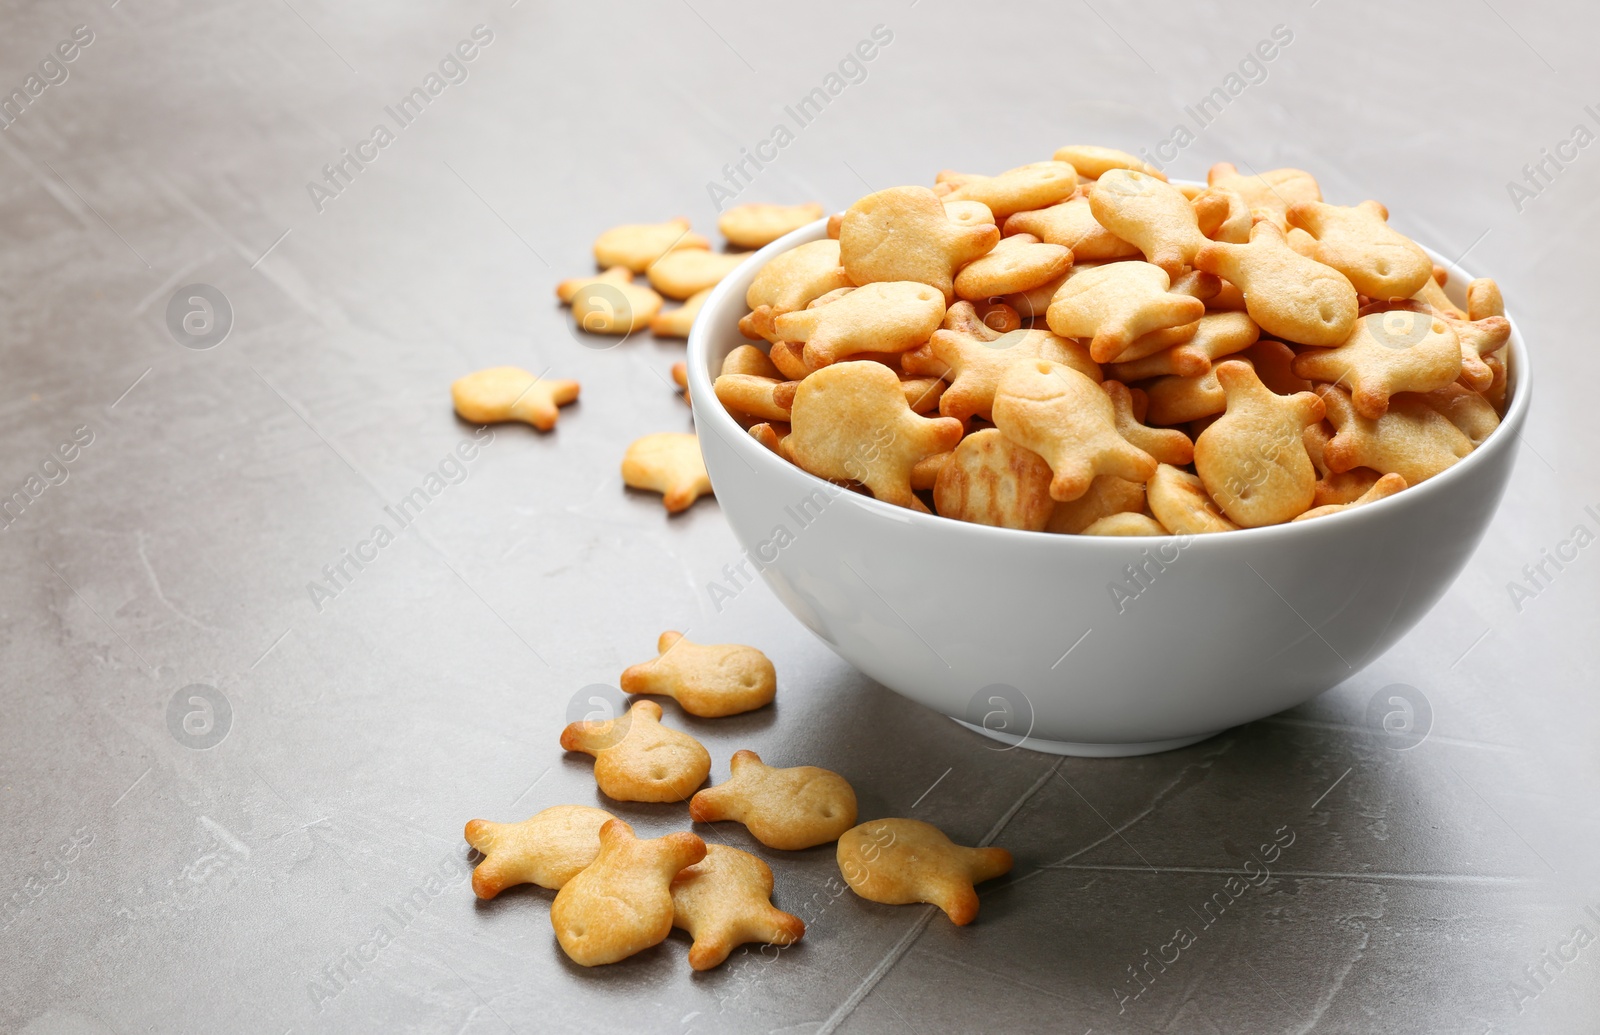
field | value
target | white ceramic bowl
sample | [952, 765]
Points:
[1018, 635]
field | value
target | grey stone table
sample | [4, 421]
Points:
[230, 803]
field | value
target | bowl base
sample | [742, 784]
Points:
[1086, 750]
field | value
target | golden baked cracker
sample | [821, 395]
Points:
[708, 680]
[622, 902]
[1035, 185]
[1466, 409]
[679, 274]
[547, 849]
[1127, 524]
[788, 809]
[1344, 486]
[990, 480]
[1117, 303]
[638, 759]
[1289, 295]
[1223, 215]
[511, 393]
[759, 323]
[1158, 341]
[1484, 300]
[890, 316]
[1274, 363]
[667, 462]
[724, 901]
[851, 421]
[609, 303]
[1215, 335]
[771, 435]
[925, 475]
[1389, 352]
[675, 323]
[922, 393]
[1480, 339]
[1180, 502]
[789, 358]
[748, 359]
[1411, 439]
[903, 233]
[1383, 488]
[757, 224]
[974, 367]
[751, 395]
[1253, 460]
[1093, 162]
[1066, 418]
[1271, 192]
[1358, 241]
[902, 861]
[1018, 263]
[793, 278]
[636, 245]
[1072, 225]
[968, 213]
[1166, 445]
[680, 377]
[1106, 496]
[1433, 294]
[1150, 214]
[835, 223]
[1177, 400]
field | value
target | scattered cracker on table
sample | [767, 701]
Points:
[676, 323]
[511, 393]
[902, 861]
[788, 809]
[668, 462]
[635, 246]
[547, 849]
[682, 274]
[622, 902]
[708, 680]
[638, 759]
[756, 224]
[610, 302]
[725, 901]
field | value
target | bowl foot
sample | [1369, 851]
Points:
[1086, 750]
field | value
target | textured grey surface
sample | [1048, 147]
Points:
[153, 886]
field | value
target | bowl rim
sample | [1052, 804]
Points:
[719, 422]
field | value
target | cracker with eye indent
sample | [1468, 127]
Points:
[1093, 162]
[638, 759]
[1031, 186]
[990, 480]
[679, 274]
[1215, 335]
[725, 901]
[667, 462]
[1127, 525]
[622, 902]
[636, 245]
[609, 302]
[748, 359]
[1150, 214]
[1115, 304]
[547, 849]
[904, 233]
[708, 680]
[1383, 488]
[1105, 496]
[1166, 445]
[1072, 225]
[757, 224]
[1289, 295]
[903, 861]
[968, 213]
[1222, 215]
[974, 366]
[1018, 263]
[750, 395]
[1411, 439]
[511, 393]
[788, 809]
[675, 323]
[1378, 260]
[851, 420]
[1271, 192]
[1058, 413]
[1180, 502]
[891, 316]
[1253, 460]
[793, 278]
[1385, 353]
